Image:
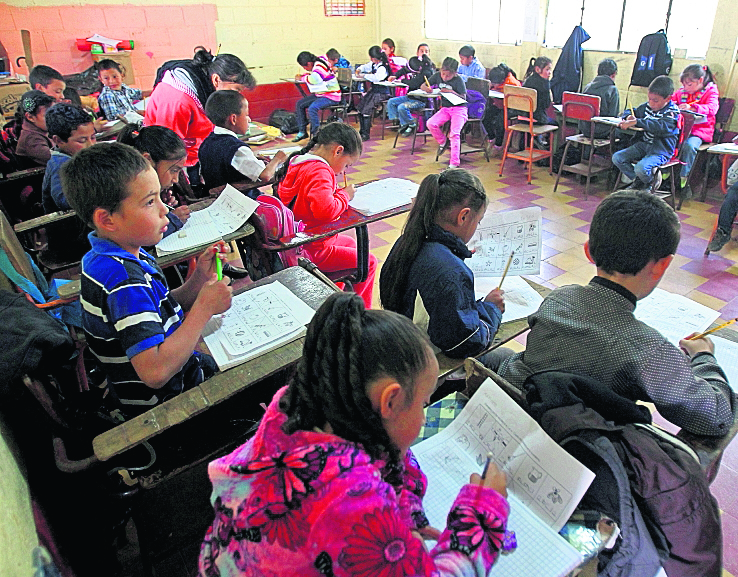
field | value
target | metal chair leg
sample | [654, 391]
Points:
[561, 165]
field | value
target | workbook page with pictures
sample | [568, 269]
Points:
[545, 483]
[499, 235]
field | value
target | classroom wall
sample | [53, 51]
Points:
[17, 529]
[267, 37]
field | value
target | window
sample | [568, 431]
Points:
[493, 21]
[620, 24]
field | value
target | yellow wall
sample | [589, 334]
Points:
[17, 530]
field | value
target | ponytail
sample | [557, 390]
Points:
[438, 194]
[376, 52]
[159, 142]
[698, 72]
[227, 66]
[346, 349]
[332, 133]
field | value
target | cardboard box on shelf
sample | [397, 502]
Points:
[10, 93]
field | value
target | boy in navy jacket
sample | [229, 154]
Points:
[659, 119]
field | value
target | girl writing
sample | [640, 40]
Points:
[34, 145]
[307, 184]
[376, 70]
[538, 76]
[448, 81]
[318, 71]
[425, 278]
[328, 485]
[698, 94]
[494, 116]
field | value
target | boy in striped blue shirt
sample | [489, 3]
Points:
[135, 325]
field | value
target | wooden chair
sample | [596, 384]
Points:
[674, 165]
[578, 106]
[522, 99]
[722, 119]
[419, 129]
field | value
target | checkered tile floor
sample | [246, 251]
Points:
[712, 281]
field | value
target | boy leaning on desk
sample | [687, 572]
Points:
[134, 325]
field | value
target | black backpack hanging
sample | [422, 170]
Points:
[653, 59]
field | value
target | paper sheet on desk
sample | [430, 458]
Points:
[521, 299]
[614, 120]
[545, 483]
[725, 147]
[674, 316]
[259, 320]
[499, 234]
[384, 194]
[227, 214]
[420, 92]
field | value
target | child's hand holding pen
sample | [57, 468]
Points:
[629, 122]
[491, 477]
[348, 189]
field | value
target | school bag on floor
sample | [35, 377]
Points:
[279, 221]
[653, 59]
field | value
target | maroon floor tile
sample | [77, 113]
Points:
[722, 285]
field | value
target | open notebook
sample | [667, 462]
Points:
[259, 320]
[545, 483]
[384, 194]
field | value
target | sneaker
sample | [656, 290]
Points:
[636, 185]
[625, 179]
[719, 240]
[410, 128]
[686, 192]
[657, 180]
[452, 165]
[300, 136]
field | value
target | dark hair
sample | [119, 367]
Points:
[332, 133]
[662, 85]
[540, 62]
[72, 95]
[108, 64]
[698, 72]
[333, 54]
[43, 75]
[630, 229]
[99, 177]
[438, 196]
[160, 142]
[421, 45]
[31, 102]
[221, 104]
[63, 118]
[467, 50]
[607, 67]
[389, 42]
[450, 64]
[305, 57]
[499, 73]
[229, 67]
[376, 52]
[346, 348]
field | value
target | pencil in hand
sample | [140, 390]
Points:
[507, 267]
[712, 330]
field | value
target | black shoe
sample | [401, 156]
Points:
[234, 272]
[366, 126]
[719, 240]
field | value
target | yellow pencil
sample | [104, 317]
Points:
[507, 267]
[428, 83]
[710, 331]
[345, 181]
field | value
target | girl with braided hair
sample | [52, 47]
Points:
[328, 485]
[306, 183]
[425, 278]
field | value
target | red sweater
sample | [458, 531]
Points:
[319, 201]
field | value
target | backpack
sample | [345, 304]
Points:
[653, 59]
[284, 120]
[279, 221]
[475, 103]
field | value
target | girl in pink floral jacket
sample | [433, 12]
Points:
[328, 485]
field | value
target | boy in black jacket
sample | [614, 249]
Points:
[603, 86]
[418, 69]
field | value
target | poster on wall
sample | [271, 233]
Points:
[344, 7]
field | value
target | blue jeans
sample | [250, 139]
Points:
[633, 162]
[689, 152]
[400, 107]
[312, 104]
[729, 209]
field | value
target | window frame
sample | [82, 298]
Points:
[498, 30]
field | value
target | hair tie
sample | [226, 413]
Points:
[135, 133]
[704, 68]
[29, 104]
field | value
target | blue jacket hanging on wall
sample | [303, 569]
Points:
[567, 75]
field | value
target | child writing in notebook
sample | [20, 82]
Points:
[425, 277]
[538, 76]
[328, 485]
[307, 184]
[115, 98]
[317, 73]
[698, 94]
[449, 82]
[223, 156]
[134, 325]
[34, 145]
[376, 70]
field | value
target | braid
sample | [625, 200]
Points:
[282, 172]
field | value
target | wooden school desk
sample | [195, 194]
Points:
[224, 385]
[726, 150]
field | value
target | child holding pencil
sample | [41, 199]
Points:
[329, 486]
[425, 278]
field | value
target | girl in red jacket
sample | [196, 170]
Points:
[698, 94]
[307, 183]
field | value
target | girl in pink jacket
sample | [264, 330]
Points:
[698, 94]
[328, 486]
